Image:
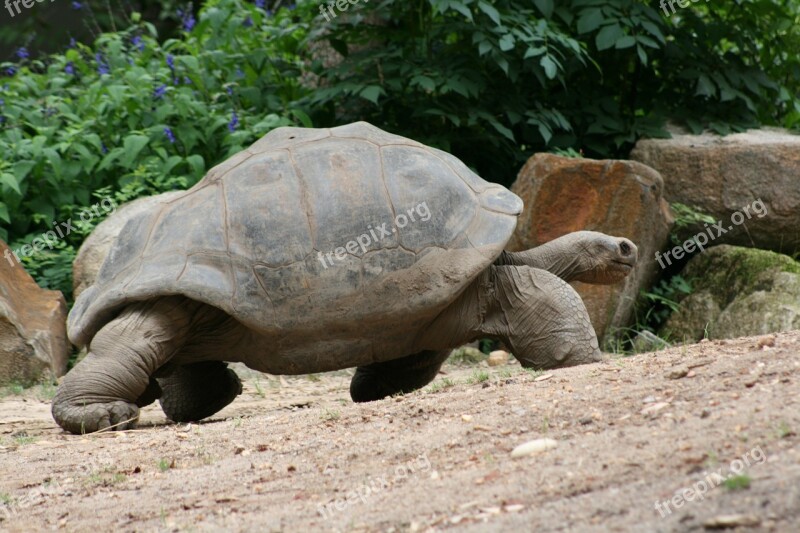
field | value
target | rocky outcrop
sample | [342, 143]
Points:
[721, 175]
[95, 248]
[33, 337]
[620, 198]
[737, 292]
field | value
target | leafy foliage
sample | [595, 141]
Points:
[129, 116]
[493, 81]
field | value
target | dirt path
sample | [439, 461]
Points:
[293, 454]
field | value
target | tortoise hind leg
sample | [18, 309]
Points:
[409, 373]
[196, 391]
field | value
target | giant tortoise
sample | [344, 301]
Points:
[316, 250]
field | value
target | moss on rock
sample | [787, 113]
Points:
[737, 291]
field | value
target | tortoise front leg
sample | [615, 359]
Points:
[106, 389]
[380, 380]
[540, 318]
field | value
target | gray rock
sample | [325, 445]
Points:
[720, 175]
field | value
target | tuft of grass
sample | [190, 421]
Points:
[166, 464]
[534, 373]
[331, 414]
[479, 376]
[106, 477]
[739, 482]
[259, 390]
[5, 498]
[784, 431]
[22, 440]
[12, 389]
[441, 385]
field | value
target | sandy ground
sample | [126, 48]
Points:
[688, 439]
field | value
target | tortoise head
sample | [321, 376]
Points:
[601, 258]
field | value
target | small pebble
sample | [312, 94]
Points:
[677, 372]
[533, 447]
[498, 358]
[732, 520]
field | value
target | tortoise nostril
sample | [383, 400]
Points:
[625, 248]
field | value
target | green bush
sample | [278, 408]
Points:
[130, 116]
[494, 81]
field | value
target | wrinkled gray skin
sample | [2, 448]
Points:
[154, 333]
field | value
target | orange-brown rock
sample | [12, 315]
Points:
[620, 198]
[33, 336]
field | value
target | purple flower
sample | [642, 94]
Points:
[10, 71]
[159, 92]
[23, 53]
[102, 66]
[77, 5]
[234, 122]
[260, 4]
[72, 42]
[138, 43]
[291, 6]
[70, 68]
[248, 22]
[171, 62]
[186, 80]
[229, 90]
[2, 102]
[187, 18]
[169, 134]
[103, 148]
[239, 72]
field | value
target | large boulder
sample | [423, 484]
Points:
[737, 292]
[95, 248]
[722, 175]
[33, 336]
[620, 198]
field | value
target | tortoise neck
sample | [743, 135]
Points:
[461, 322]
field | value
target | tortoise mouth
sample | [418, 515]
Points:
[622, 265]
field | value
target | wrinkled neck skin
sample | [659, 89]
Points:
[461, 322]
[554, 257]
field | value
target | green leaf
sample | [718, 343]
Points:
[425, 82]
[608, 36]
[506, 42]
[9, 180]
[371, 93]
[549, 66]
[625, 42]
[545, 6]
[705, 87]
[490, 11]
[197, 164]
[461, 8]
[590, 20]
[132, 145]
[4, 213]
